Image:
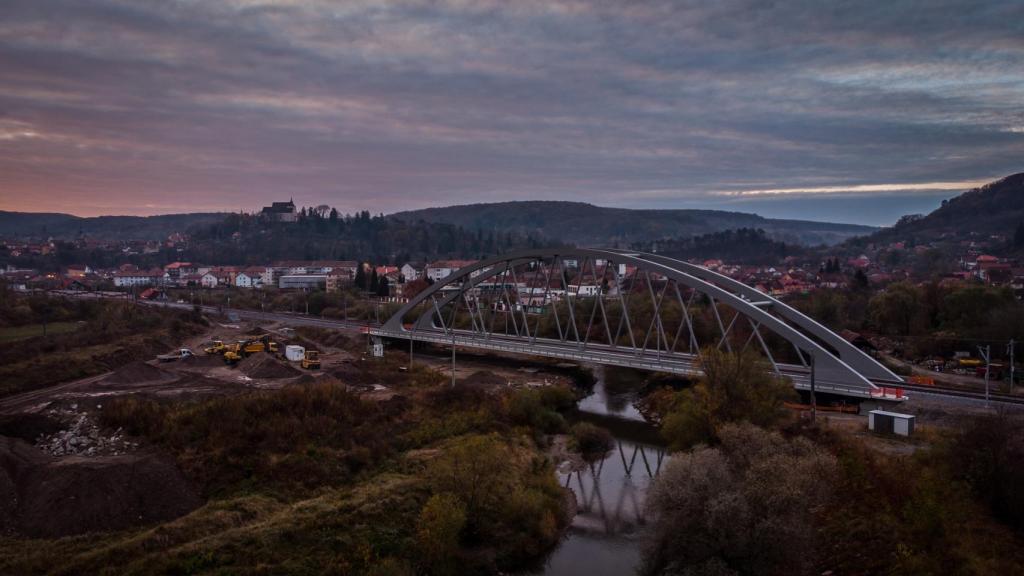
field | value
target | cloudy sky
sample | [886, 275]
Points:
[845, 111]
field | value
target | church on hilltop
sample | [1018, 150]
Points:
[280, 212]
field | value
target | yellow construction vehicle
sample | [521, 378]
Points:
[311, 360]
[270, 345]
[252, 347]
[216, 347]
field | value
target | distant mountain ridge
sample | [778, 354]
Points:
[57, 225]
[589, 225]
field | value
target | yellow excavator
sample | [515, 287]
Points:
[243, 348]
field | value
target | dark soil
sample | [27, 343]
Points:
[137, 372]
[44, 497]
[202, 361]
[28, 426]
[266, 366]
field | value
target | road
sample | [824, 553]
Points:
[22, 402]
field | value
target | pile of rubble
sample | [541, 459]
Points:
[82, 437]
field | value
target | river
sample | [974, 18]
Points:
[606, 534]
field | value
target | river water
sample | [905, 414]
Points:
[606, 534]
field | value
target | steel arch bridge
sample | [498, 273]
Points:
[630, 309]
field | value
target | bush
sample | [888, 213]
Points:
[988, 454]
[512, 503]
[437, 533]
[293, 439]
[539, 408]
[593, 442]
[744, 507]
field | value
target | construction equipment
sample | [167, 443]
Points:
[252, 347]
[311, 360]
[178, 355]
[269, 344]
[216, 347]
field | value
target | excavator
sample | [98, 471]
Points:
[245, 348]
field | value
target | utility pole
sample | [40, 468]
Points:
[986, 355]
[1011, 365]
[453, 355]
[814, 401]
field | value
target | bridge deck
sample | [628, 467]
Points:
[675, 363]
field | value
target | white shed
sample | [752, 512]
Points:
[891, 423]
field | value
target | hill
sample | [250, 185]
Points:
[43, 225]
[588, 225]
[996, 209]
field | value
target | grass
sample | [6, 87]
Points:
[16, 333]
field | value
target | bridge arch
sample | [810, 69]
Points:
[539, 295]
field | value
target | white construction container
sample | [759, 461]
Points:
[294, 353]
[890, 423]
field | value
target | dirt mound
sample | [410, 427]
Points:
[256, 330]
[484, 378]
[45, 497]
[266, 366]
[136, 372]
[202, 361]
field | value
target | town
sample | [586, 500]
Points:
[553, 288]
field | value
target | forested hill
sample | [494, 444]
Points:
[588, 225]
[744, 245]
[996, 208]
[67, 226]
[248, 239]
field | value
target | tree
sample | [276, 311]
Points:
[360, 279]
[735, 387]
[744, 507]
[383, 289]
[897, 309]
[860, 280]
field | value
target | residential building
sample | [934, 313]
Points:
[443, 268]
[138, 278]
[251, 277]
[412, 270]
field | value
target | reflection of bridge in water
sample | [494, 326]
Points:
[610, 493]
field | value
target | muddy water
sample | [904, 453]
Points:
[606, 535]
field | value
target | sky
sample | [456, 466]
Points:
[842, 111]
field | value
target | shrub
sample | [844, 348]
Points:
[512, 503]
[538, 408]
[593, 442]
[437, 533]
[988, 453]
[744, 507]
